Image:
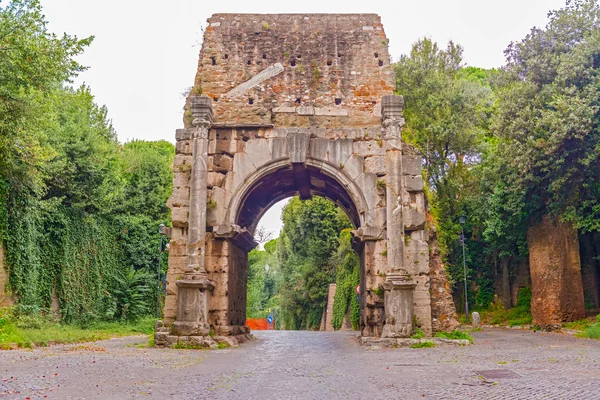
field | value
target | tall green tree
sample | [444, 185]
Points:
[34, 63]
[548, 116]
[308, 240]
[447, 109]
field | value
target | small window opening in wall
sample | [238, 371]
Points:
[338, 101]
[213, 60]
[298, 56]
[380, 63]
[264, 56]
[298, 101]
[329, 62]
[293, 62]
[249, 62]
[215, 99]
[250, 100]
[226, 56]
[376, 55]
[374, 102]
[339, 54]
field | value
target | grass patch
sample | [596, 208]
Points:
[593, 332]
[455, 334]
[580, 325]
[422, 345]
[223, 345]
[418, 334]
[496, 314]
[50, 332]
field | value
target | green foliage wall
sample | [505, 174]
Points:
[79, 212]
[347, 267]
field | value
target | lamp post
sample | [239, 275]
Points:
[462, 219]
[161, 232]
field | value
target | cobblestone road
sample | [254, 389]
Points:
[502, 364]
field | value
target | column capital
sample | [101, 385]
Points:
[201, 108]
[391, 107]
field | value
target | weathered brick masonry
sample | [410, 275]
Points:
[300, 104]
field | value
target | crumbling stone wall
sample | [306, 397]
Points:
[322, 70]
[443, 309]
[297, 103]
[557, 289]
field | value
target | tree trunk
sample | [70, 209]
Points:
[595, 250]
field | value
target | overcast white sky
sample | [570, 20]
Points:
[145, 53]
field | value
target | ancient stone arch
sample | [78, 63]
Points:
[293, 104]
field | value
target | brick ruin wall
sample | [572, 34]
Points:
[335, 69]
[554, 262]
[273, 78]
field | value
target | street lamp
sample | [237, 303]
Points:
[462, 219]
[161, 232]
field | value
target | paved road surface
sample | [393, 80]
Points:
[503, 364]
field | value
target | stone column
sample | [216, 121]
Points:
[193, 289]
[398, 287]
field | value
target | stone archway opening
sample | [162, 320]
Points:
[289, 180]
[265, 188]
[282, 268]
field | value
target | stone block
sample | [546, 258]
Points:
[420, 235]
[353, 167]
[331, 111]
[416, 257]
[183, 147]
[215, 179]
[413, 219]
[216, 215]
[284, 109]
[411, 165]
[475, 319]
[298, 144]
[181, 179]
[180, 197]
[376, 165]
[368, 183]
[179, 216]
[259, 151]
[370, 148]
[305, 110]
[182, 163]
[177, 248]
[171, 340]
[242, 167]
[319, 148]
[339, 151]
[228, 146]
[183, 134]
[413, 183]
[220, 162]
[279, 148]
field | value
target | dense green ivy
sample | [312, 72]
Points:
[79, 212]
[347, 277]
